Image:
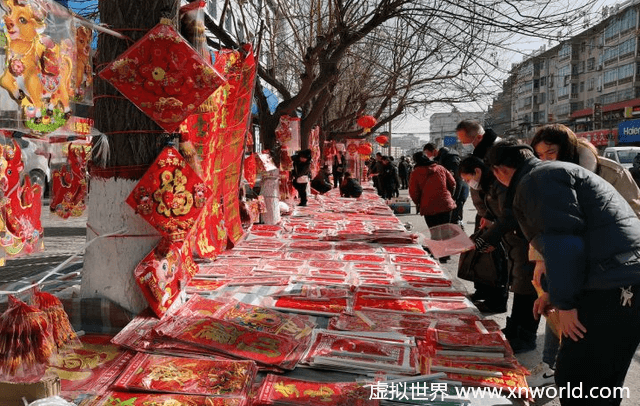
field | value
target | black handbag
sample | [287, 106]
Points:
[489, 268]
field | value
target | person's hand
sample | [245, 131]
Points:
[484, 223]
[483, 246]
[539, 270]
[570, 325]
[541, 305]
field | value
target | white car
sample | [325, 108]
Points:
[622, 155]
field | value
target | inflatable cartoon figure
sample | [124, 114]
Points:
[38, 70]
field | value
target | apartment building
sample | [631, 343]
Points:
[588, 82]
[442, 126]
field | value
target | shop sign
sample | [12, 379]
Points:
[629, 131]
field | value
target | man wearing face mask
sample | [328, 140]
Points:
[476, 138]
[478, 141]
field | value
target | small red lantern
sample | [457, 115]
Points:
[366, 122]
[365, 149]
[382, 140]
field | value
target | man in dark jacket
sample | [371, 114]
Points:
[321, 181]
[589, 237]
[403, 172]
[478, 141]
[339, 168]
[350, 187]
[301, 173]
[451, 161]
[388, 178]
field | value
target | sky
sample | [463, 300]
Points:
[419, 124]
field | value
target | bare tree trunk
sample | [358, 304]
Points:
[134, 142]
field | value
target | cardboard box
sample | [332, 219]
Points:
[11, 393]
[400, 205]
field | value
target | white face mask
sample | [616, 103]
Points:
[467, 148]
[474, 184]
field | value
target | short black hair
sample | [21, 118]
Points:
[510, 153]
[470, 125]
[430, 146]
[470, 164]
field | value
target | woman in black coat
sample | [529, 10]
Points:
[301, 174]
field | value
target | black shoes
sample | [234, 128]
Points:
[489, 307]
[520, 339]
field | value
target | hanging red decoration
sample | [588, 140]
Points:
[163, 76]
[382, 140]
[250, 169]
[365, 149]
[160, 276]
[366, 122]
[170, 195]
[69, 185]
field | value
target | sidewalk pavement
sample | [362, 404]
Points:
[528, 359]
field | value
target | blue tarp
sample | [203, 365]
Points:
[272, 101]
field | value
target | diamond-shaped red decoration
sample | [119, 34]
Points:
[170, 195]
[163, 76]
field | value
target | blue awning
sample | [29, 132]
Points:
[272, 101]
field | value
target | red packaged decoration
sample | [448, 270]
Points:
[22, 231]
[163, 76]
[233, 339]
[162, 399]
[161, 275]
[160, 373]
[91, 368]
[69, 189]
[170, 195]
[281, 390]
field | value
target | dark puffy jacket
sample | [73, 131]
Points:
[430, 187]
[300, 168]
[350, 188]
[451, 160]
[488, 139]
[585, 230]
[505, 229]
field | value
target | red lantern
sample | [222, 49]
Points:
[382, 140]
[365, 149]
[366, 122]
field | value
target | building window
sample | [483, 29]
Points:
[609, 98]
[543, 81]
[628, 47]
[626, 94]
[610, 54]
[581, 87]
[592, 84]
[612, 29]
[565, 51]
[591, 64]
[625, 71]
[628, 21]
[610, 76]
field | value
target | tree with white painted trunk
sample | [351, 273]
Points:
[134, 142]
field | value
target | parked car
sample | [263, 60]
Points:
[623, 155]
[35, 159]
